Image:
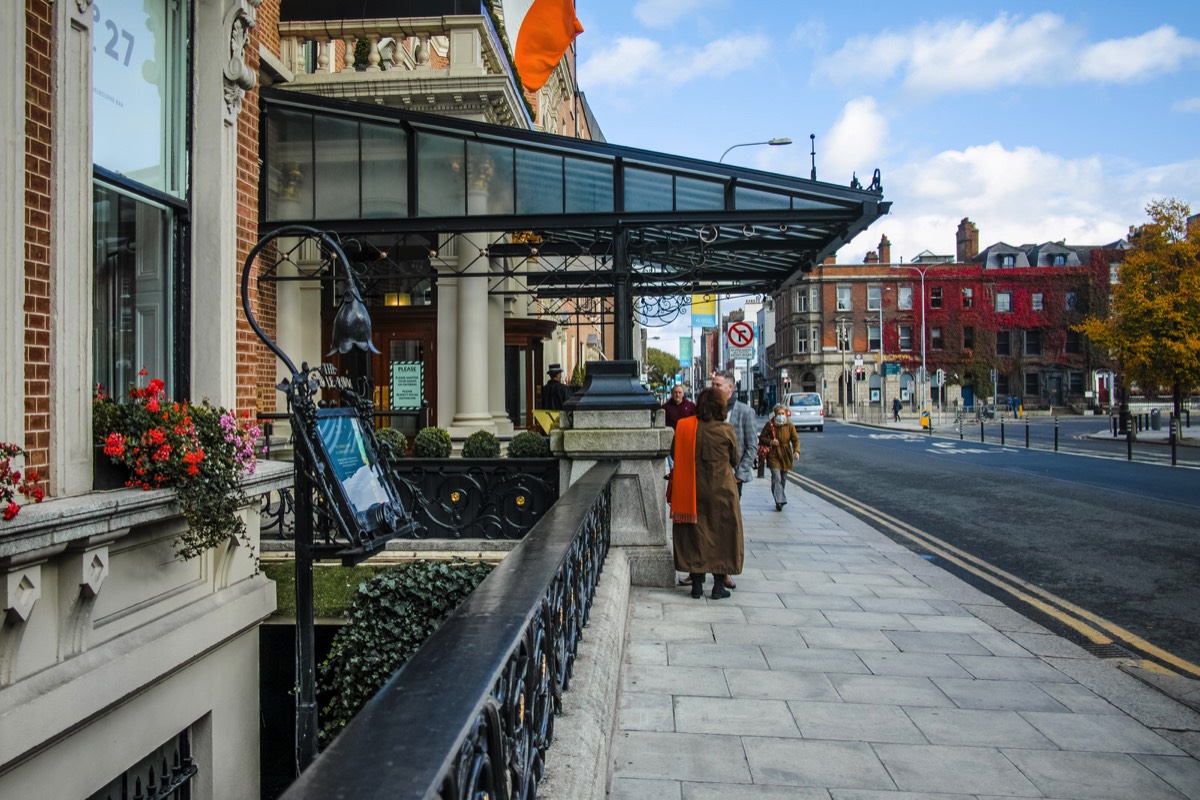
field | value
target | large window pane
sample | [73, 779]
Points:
[384, 171]
[693, 194]
[133, 314]
[589, 186]
[490, 170]
[139, 90]
[336, 168]
[539, 183]
[289, 165]
[441, 184]
[646, 190]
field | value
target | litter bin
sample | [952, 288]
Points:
[1155, 419]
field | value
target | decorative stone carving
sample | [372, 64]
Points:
[238, 77]
[81, 574]
[19, 591]
[85, 5]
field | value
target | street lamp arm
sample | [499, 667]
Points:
[778, 140]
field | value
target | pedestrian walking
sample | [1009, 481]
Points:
[896, 409]
[706, 517]
[555, 392]
[782, 441]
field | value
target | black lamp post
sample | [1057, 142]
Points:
[351, 330]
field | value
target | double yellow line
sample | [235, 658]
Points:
[1095, 629]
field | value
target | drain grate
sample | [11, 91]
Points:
[1111, 650]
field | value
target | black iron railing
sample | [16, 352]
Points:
[472, 712]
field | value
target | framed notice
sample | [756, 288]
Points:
[408, 385]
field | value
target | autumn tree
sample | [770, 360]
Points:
[661, 367]
[1153, 324]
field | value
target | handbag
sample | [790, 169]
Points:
[764, 450]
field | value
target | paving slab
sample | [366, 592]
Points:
[844, 667]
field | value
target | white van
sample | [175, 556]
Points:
[807, 409]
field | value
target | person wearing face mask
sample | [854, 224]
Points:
[780, 436]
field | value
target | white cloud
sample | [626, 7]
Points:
[1139, 57]
[662, 13]
[1190, 105]
[633, 61]
[1021, 195]
[810, 33]
[950, 56]
[854, 143]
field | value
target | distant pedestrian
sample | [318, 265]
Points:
[896, 409]
[677, 406]
[555, 392]
[780, 435]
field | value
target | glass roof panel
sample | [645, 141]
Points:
[384, 171]
[539, 182]
[490, 172]
[648, 190]
[694, 194]
[589, 186]
[441, 162]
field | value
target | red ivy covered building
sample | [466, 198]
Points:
[1004, 308]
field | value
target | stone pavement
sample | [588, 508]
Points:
[845, 667]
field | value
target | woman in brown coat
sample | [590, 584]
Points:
[706, 517]
[780, 435]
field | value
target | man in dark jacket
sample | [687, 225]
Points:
[677, 406]
[555, 392]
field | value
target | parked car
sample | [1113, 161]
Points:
[808, 410]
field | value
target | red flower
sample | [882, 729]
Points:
[114, 445]
[152, 405]
[155, 436]
[155, 388]
[12, 510]
[163, 453]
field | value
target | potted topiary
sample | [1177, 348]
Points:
[395, 443]
[432, 442]
[481, 444]
[528, 444]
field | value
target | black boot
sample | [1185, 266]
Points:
[718, 591]
[697, 584]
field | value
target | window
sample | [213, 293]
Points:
[904, 301]
[1069, 301]
[1114, 272]
[906, 337]
[1033, 343]
[814, 339]
[801, 340]
[814, 298]
[1031, 384]
[1008, 261]
[968, 297]
[874, 297]
[968, 337]
[935, 339]
[1003, 302]
[843, 337]
[802, 300]
[1035, 301]
[935, 297]
[1001, 384]
[1074, 342]
[1075, 383]
[140, 200]
[873, 342]
[1003, 345]
[843, 298]
[1060, 260]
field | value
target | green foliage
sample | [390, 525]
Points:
[481, 444]
[334, 586]
[661, 367]
[393, 440]
[391, 616]
[528, 444]
[362, 54]
[1153, 327]
[432, 442]
[577, 377]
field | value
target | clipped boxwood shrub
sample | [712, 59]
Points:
[528, 444]
[481, 444]
[432, 442]
[393, 438]
[391, 616]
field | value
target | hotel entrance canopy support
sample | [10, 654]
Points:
[624, 222]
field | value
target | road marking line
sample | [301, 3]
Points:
[1005, 581]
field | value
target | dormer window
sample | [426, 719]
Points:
[1060, 260]
[1008, 261]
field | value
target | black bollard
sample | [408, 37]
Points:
[1056, 434]
[981, 431]
[1027, 433]
[1002, 430]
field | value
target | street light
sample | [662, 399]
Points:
[777, 141]
[924, 373]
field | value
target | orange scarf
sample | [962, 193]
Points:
[681, 490]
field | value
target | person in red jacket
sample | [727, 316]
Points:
[677, 406]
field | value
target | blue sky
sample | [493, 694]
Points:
[1039, 121]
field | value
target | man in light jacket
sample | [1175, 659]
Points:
[745, 428]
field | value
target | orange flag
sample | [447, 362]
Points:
[546, 32]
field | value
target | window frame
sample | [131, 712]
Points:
[844, 293]
[1032, 375]
[1007, 296]
[968, 337]
[874, 337]
[904, 297]
[905, 334]
[1032, 345]
[874, 296]
[968, 297]
[1037, 301]
[936, 342]
[935, 296]
[1004, 343]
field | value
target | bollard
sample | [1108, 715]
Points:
[981, 431]
[1056, 434]
[1002, 430]
[1171, 435]
[1113, 420]
[960, 430]
[1129, 444]
[1027, 433]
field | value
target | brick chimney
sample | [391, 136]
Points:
[885, 250]
[871, 258]
[967, 241]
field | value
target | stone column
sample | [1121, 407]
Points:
[614, 418]
[471, 412]
[498, 375]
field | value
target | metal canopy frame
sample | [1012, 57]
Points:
[629, 222]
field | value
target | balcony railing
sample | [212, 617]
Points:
[472, 713]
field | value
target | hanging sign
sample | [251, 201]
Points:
[704, 311]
